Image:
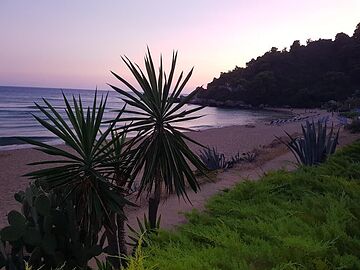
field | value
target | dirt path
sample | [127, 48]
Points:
[273, 157]
[172, 209]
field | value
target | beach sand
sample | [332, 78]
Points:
[228, 140]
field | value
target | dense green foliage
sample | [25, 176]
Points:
[315, 144]
[307, 219]
[303, 76]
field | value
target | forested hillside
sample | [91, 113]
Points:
[303, 76]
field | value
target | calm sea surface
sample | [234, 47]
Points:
[17, 109]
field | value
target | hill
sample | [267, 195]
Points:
[303, 76]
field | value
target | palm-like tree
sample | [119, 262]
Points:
[161, 153]
[92, 171]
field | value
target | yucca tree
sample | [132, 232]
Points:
[89, 169]
[162, 155]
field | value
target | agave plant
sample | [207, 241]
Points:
[249, 156]
[212, 159]
[89, 170]
[161, 154]
[315, 145]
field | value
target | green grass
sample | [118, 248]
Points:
[308, 219]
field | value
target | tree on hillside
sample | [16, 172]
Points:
[341, 37]
[356, 34]
[295, 46]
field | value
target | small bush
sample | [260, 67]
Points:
[212, 159]
[315, 144]
[137, 261]
[354, 126]
[350, 114]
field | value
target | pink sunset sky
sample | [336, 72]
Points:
[74, 44]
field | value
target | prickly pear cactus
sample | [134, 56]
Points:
[45, 234]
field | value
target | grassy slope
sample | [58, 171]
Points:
[308, 219]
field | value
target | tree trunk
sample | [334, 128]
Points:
[154, 202]
[116, 234]
[121, 235]
[116, 241]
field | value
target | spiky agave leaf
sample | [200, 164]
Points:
[315, 145]
[83, 173]
[212, 159]
[161, 147]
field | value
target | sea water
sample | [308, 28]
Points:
[17, 111]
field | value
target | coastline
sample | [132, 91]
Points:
[228, 140]
[14, 142]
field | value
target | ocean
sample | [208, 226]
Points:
[17, 109]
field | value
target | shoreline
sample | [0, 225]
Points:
[6, 145]
[228, 140]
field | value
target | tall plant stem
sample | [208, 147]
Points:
[116, 241]
[154, 201]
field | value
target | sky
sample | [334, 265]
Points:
[75, 44]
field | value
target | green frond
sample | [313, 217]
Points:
[161, 146]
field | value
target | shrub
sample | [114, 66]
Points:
[354, 126]
[212, 159]
[315, 145]
[350, 114]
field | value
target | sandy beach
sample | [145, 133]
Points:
[228, 140]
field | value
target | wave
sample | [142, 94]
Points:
[201, 127]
